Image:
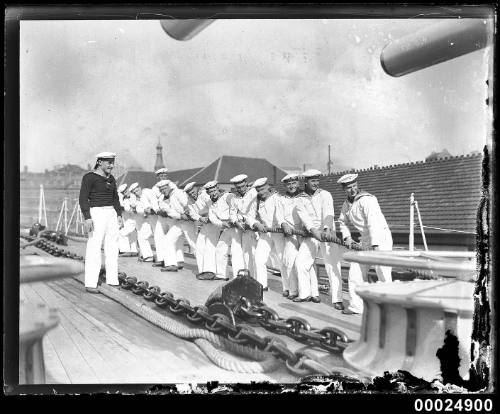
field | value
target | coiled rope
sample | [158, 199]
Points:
[208, 342]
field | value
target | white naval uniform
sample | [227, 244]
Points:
[365, 215]
[143, 222]
[128, 236]
[316, 211]
[218, 239]
[179, 201]
[243, 243]
[196, 211]
[268, 242]
[287, 213]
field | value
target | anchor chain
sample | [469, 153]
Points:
[328, 338]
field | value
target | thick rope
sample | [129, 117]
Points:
[205, 340]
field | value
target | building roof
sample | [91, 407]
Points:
[227, 166]
[448, 191]
[146, 179]
[180, 176]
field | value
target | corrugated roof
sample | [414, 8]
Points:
[227, 166]
[447, 190]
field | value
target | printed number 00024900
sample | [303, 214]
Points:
[451, 405]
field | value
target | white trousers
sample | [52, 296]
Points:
[158, 236]
[267, 244]
[128, 236]
[289, 270]
[306, 274]
[174, 235]
[105, 228]
[212, 233]
[358, 274]
[144, 232]
[200, 247]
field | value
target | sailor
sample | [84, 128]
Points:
[129, 225]
[218, 239]
[123, 241]
[198, 212]
[164, 188]
[180, 225]
[268, 204]
[145, 200]
[158, 231]
[362, 211]
[100, 206]
[243, 242]
[289, 221]
[315, 209]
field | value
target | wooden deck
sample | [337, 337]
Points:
[100, 341]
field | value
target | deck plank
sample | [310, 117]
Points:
[78, 369]
[54, 369]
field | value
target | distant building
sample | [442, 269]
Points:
[68, 176]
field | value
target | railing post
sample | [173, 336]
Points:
[412, 223]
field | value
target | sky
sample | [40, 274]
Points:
[277, 89]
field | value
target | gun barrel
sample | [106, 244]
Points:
[435, 44]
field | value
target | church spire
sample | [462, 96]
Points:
[159, 157]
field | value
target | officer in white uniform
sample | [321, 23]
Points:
[243, 242]
[289, 220]
[145, 200]
[362, 211]
[315, 209]
[180, 225]
[198, 211]
[218, 239]
[100, 206]
[268, 205]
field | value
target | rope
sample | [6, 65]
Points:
[207, 341]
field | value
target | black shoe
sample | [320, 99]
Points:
[205, 276]
[126, 254]
[180, 265]
[158, 264]
[265, 289]
[316, 299]
[92, 290]
[146, 259]
[292, 297]
[338, 306]
[169, 269]
[286, 293]
[297, 299]
[349, 312]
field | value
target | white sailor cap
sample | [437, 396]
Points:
[238, 178]
[189, 186]
[311, 173]
[210, 184]
[260, 182]
[133, 187]
[163, 183]
[347, 179]
[290, 177]
[105, 155]
[122, 188]
[161, 170]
